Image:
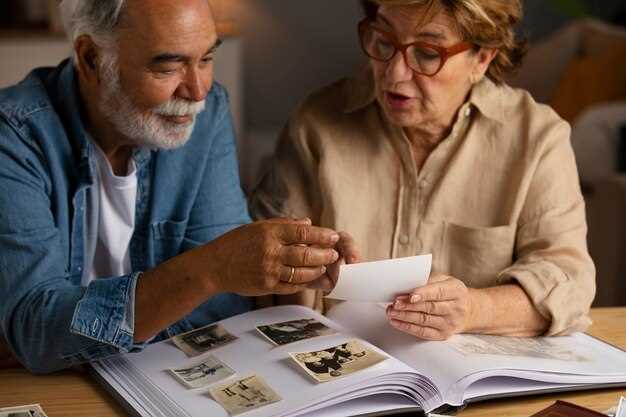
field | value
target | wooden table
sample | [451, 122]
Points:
[74, 394]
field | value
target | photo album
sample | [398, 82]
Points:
[292, 361]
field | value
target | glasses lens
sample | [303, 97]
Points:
[423, 59]
[375, 44]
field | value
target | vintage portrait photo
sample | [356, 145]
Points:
[337, 361]
[244, 395]
[200, 375]
[23, 411]
[293, 331]
[201, 340]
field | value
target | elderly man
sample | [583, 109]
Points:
[121, 211]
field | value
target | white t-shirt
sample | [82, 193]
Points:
[110, 221]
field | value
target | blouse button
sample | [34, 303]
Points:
[404, 239]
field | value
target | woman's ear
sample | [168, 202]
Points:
[482, 60]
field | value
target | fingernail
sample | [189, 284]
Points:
[323, 269]
[334, 238]
[393, 313]
[415, 298]
[335, 256]
[307, 220]
[397, 305]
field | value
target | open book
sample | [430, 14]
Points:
[261, 371]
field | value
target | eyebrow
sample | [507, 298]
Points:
[426, 34]
[169, 57]
[432, 35]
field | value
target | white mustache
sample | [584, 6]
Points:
[178, 107]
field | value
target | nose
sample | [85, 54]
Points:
[195, 85]
[397, 69]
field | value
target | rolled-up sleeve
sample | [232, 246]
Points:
[105, 313]
[552, 263]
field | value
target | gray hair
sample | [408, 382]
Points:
[96, 18]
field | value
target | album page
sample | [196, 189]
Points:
[267, 367]
[465, 367]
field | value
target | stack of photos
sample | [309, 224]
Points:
[337, 361]
[287, 332]
[201, 340]
[23, 411]
[244, 395]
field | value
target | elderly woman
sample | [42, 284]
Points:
[429, 151]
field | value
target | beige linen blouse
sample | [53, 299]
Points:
[497, 201]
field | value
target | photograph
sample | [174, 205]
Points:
[337, 361]
[201, 340]
[293, 331]
[209, 371]
[245, 394]
[23, 411]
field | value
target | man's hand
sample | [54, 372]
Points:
[279, 256]
[348, 254]
[435, 311]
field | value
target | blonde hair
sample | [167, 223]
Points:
[485, 23]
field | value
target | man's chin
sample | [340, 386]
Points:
[168, 141]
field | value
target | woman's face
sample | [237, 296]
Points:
[408, 99]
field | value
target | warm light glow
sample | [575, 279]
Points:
[226, 15]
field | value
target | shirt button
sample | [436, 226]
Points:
[404, 239]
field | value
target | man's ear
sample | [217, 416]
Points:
[87, 55]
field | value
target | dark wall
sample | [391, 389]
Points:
[292, 48]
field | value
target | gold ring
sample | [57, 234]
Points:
[291, 275]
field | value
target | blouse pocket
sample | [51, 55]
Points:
[476, 255]
[167, 239]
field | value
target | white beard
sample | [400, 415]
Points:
[145, 128]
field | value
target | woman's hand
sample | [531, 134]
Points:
[435, 311]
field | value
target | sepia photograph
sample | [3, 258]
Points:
[337, 361]
[23, 411]
[208, 372]
[294, 331]
[244, 395]
[201, 340]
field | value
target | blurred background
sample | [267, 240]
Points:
[278, 51]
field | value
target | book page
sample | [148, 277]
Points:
[455, 364]
[532, 347]
[251, 354]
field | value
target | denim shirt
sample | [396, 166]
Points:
[185, 197]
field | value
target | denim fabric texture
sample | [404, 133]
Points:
[185, 198]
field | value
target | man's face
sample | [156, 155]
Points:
[155, 84]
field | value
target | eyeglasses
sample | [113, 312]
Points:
[423, 58]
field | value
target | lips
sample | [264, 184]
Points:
[397, 100]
